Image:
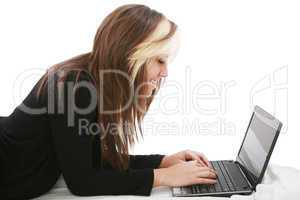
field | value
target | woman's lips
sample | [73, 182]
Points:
[153, 83]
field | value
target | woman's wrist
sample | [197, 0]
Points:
[158, 177]
[164, 162]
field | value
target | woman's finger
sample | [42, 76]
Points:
[200, 164]
[190, 155]
[207, 174]
[213, 171]
[206, 171]
[205, 181]
[200, 157]
[203, 158]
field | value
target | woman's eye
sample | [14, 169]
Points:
[161, 61]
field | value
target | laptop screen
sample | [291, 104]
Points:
[259, 141]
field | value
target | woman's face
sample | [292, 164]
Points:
[156, 69]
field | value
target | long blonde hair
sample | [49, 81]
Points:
[125, 41]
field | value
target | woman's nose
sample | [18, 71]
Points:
[164, 72]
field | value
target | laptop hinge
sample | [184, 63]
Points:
[245, 176]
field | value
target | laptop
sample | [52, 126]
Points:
[242, 175]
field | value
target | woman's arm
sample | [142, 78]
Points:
[145, 161]
[74, 155]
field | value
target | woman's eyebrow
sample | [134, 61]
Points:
[163, 55]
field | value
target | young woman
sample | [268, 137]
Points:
[84, 114]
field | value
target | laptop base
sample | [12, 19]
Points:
[230, 181]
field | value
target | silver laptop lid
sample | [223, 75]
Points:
[258, 144]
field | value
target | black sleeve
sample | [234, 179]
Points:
[145, 161]
[74, 153]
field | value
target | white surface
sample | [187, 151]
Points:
[279, 183]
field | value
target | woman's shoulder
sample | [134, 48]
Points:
[74, 76]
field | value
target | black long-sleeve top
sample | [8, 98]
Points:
[36, 148]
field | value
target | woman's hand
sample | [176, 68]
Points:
[183, 174]
[186, 155]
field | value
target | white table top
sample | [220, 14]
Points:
[279, 183]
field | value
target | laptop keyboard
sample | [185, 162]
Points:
[228, 179]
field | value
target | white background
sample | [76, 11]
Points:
[235, 53]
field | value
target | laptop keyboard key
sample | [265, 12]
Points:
[186, 190]
[198, 188]
[194, 189]
[204, 189]
[220, 178]
[211, 188]
[217, 185]
[227, 178]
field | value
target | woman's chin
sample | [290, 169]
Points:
[150, 92]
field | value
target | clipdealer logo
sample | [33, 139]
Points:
[273, 89]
